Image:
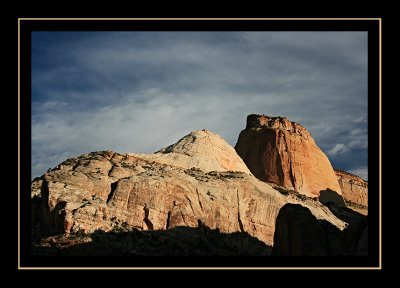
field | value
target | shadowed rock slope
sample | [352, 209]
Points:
[299, 233]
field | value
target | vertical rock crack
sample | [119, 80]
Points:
[146, 218]
[238, 214]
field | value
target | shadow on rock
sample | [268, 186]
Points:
[299, 233]
[177, 241]
[330, 196]
[45, 221]
[355, 236]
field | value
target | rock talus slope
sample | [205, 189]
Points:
[283, 152]
[106, 190]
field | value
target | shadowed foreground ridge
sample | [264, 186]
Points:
[299, 233]
[177, 241]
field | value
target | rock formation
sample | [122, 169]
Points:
[106, 190]
[299, 233]
[201, 149]
[283, 152]
[354, 190]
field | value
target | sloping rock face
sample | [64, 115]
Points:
[201, 149]
[354, 188]
[106, 191]
[283, 152]
[299, 233]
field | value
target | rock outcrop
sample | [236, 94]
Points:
[354, 189]
[283, 152]
[106, 190]
[299, 233]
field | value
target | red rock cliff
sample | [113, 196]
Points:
[354, 188]
[283, 152]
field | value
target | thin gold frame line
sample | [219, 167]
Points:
[19, 141]
[200, 19]
[380, 143]
[214, 268]
[201, 268]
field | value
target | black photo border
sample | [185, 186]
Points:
[372, 25]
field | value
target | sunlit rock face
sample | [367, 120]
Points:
[354, 189]
[201, 149]
[283, 152]
[106, 190]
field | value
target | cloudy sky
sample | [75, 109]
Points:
[141, 91]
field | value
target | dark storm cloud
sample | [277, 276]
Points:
[140, 91]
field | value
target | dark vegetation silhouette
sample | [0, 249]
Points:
[176, 241]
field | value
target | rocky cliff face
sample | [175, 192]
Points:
[354, 189]
[106, 190]
[283, 152]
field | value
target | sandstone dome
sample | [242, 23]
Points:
[201, 149]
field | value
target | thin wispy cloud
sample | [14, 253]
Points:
[141, 91]
[362, 172]
[338, 149]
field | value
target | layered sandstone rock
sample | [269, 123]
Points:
[283, 152]
[354, 188]
[107, 190]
